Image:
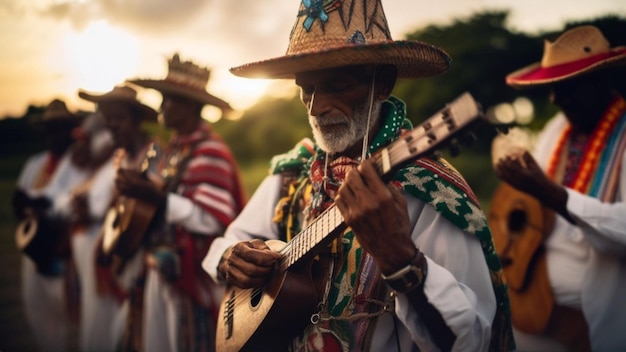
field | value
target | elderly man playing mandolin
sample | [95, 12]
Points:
[401, 265]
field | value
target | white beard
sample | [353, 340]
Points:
[341, 139]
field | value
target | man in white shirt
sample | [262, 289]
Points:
[42, 275]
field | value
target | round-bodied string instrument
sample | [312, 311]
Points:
[42, 238]
[128, 219]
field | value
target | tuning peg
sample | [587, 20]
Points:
[435, 154]
[468, 139]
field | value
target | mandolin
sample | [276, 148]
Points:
[520, 224]
[43, 238]
[250, 319]
[128, 219]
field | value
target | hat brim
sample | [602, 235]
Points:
[60, 119]
[148, 113]
[168, 87]
[534, 75]
[413, 59]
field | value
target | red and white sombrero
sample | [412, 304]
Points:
[576, 52]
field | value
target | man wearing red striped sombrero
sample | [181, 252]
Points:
[199, 193]
[578, 170]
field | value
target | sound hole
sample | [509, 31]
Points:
[27, 227]
[256, 296]
[116, 220]
[517, 221]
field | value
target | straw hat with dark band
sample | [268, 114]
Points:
[121, 94]
[576, 52]
[338, 33]
[185, 79]
[57, 111]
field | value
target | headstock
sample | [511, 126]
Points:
[448, 127]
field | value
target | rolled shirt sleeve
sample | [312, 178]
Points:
[183, 211]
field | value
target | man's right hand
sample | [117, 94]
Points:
[523, 173]
[248, 264]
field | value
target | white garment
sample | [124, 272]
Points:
[30, 171]
[43, 297]
[587, 261]
[458, 283]
[59, 189]
[183, 211]
[162, 303]
[102, 318]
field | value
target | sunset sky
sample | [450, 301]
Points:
[52, 48]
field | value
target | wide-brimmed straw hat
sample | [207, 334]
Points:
[339, 33]
[578, 51]
[57, 111]
[185, 79]
[121, 94]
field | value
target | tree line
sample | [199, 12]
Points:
[483, 50]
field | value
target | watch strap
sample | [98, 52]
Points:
[409, 277]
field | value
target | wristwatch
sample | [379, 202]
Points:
[410, 277]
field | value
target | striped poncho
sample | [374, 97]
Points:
[210, 179]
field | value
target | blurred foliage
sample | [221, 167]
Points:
[270, 127]
[483, 52]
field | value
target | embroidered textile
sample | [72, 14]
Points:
[590, 164]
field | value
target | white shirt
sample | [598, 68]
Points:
[31, 170]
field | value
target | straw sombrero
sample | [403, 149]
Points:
[185, 79]
[334, 33]
[121, 94]
[576, 52]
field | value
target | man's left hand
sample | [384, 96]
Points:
[133, 184]
[378, 215]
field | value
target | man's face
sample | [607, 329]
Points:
[121, 122]
[176, 110]
[338, 104]
[58, 135]
[582, 99]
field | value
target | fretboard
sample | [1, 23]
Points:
[325, 227]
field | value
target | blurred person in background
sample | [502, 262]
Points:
[574, 296]
[116, 123]
[42, 275]
[198, 197]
